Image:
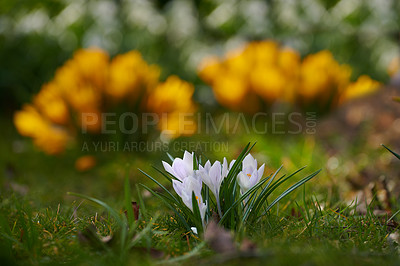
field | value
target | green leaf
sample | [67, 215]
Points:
[128, 201]
[242, 198]
[159, 184]
[101, 203]
[227, 188]
[170, 157]
[272, 187]
[195, 163]
[142, 207]
[178, 206]
[196, 212]
[249, 206]
[194, 252]
[169, 205]
[260, 197]
[165, 174]
[207, 199]
[142, 233]
[289, 190]
[395, 154]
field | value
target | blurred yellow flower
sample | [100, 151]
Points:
[130, 74]
[237, 63]
[227, 79]
[261, 68]
[269, 82]
[322, 78]
[85, 163]
[289, 62]
[175, 124]
[172, 101]
[363, 86]
[48, 137]
[230, 90]
[80, 93]
[262, 53]
[29, 122]
[172, 95]
[268, 72]
[89, 85]
[209, 69]
[51, 104]
[92, 65]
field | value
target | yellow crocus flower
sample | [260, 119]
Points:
[130, 75]
[322, 78]
[51, 139]
[51, 104]
[172, 101]
[92, 65]
[363, 86]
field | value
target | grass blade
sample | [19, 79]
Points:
[242, 198]
[196, 212]
[395, 154]
[142, 207]
[169, 205]
[289, 190]
[164, 174]
[160, 185]
[113, 213]
[128, 201]
[170, 157]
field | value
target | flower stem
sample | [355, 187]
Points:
[245, 202]
[219, 208]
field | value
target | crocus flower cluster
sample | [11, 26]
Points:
[92, 83]
[188, 180]
[264, 72]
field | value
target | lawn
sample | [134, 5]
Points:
[318, 224]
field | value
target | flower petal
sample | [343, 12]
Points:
[188, 160]
[202, 209]
[261, 171]
[168, 168]
[243, 181]
[178, 186]
[254, 178]
[192, 184]
[249, 161]
[205, 178]
[231, 164]
[224, 172]
[248, 170]
[179, 168]
[215, 172]
[207, 166]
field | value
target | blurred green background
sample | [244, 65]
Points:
[38, 36]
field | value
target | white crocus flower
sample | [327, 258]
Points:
[249, 176]
[188, 181]
[213, 176]
[185, 190]
[181, 168]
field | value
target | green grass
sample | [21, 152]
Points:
[297, 235]
[41, 224]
